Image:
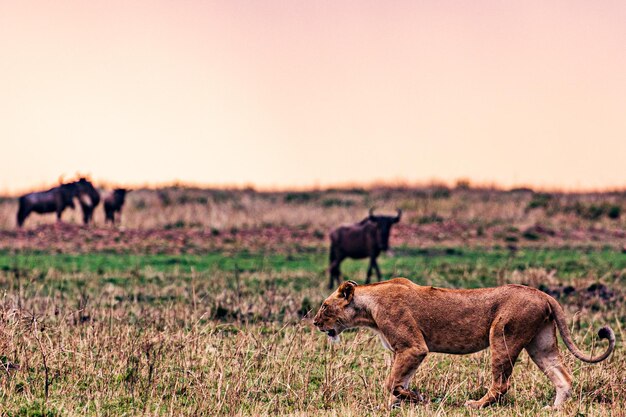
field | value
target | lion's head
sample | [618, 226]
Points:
[337, 312]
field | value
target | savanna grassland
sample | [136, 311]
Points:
[199, 302]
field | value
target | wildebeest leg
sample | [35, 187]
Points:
[373, 266]
[335, 262]
[378, 274]
[369, 271]
[59, 212]
[87, 211]
[108, 216]
[21, 215]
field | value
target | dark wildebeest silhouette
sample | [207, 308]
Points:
[54, 200]
[113, 203]
[365, 239]
[88, 197]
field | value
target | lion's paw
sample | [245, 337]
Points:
[473, 404]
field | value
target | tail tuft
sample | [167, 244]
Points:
[606, 333]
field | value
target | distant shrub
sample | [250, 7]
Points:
[440, 192]
[165, 198]
[539, 200]
[181, 224]
[531, 235]
[318, 234]
[595, 211]
[511, 238]
[431, 218]
[191, 199]
[300, 197]
[419, 194]
[614, 212]
[140, 204]
[220, 196]
[353, 190]
[357, 191]
[521, 190]
[463, 184]
[337, 202]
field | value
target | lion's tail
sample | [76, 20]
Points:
[604, 333]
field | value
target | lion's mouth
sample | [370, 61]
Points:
[332, 335]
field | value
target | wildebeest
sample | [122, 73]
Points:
[365, 239]
[113, 203]
[88, 197]
[54, 200]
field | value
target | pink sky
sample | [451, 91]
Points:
[284, 93]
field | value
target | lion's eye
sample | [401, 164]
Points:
[324, 307]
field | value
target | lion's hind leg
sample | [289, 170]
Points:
[544, 351]
[504, 353]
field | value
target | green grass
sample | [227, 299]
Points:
[445, 266]
[222, 334]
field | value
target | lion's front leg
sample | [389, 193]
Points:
[404, 366]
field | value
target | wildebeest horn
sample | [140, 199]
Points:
[371, 212]
[397, 219]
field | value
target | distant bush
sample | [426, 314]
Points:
[337, 202]
[595, 211]
[521, 190]
[354, 190]
[165, 198]
[431, 218]
[140, 204]
[220, 196]
[511, 238]
[463, 184]
[300, 197]
[592, 212]
[539, 200]
[614, 212]
[191, 199]
[181, 224]
[440, 192]
[318, 234]
[531, 235]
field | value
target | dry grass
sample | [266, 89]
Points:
[150, 342]
[225, 209]
[165, 338]
[212, 219]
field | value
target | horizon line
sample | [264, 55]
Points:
[459, 183]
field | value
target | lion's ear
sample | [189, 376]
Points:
[346, 290]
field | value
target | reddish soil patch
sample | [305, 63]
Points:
[71, 238]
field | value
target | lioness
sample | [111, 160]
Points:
[413, 320]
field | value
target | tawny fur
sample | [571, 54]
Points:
[413, 320]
